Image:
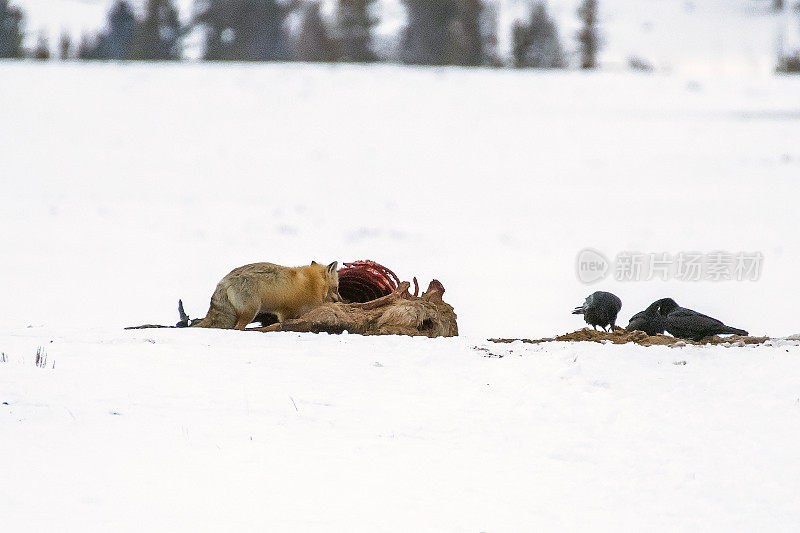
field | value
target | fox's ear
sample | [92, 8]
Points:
[314, 263]
[333, 267]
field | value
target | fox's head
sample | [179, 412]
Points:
[331, 282]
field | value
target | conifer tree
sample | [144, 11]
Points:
[426, 37]
[42, 51]
[589, 34]
[245, 30]
[464, 36]
[11, 33]
[158, 35]
[536, 44]
[314, 43]
[118, 40]
[354, 25]
[64, 46]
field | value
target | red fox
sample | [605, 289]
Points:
[286, 292]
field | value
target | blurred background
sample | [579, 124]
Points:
[732, 36]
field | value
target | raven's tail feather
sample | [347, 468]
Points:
[735, 331]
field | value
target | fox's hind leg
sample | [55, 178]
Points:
[244, 320]
[245, 316]
[245, 302]
[221, 314]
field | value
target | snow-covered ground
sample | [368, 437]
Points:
[224, 431]
[125, 187]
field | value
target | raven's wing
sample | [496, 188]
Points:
[639, 318]
[686, 319]
[637, 324]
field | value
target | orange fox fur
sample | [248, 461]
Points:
[286, 292]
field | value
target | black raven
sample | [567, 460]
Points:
[600, 309]
[691, 325]
[650, 320]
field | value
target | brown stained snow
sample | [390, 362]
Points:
[621, 336]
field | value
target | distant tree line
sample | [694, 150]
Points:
[156, 36]
[437, 32]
